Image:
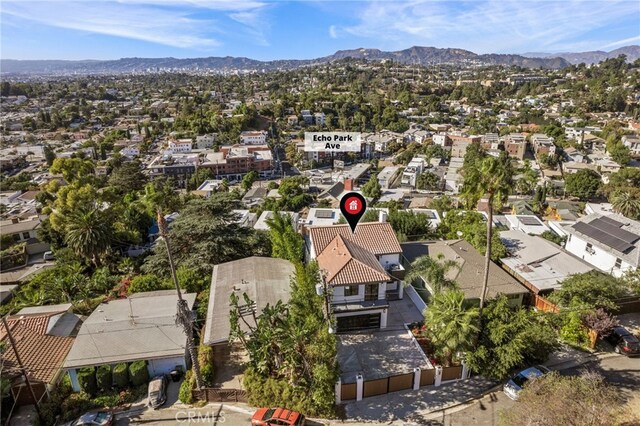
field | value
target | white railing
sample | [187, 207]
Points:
[415, 298]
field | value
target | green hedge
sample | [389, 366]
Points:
[87, 380]
[121, 376]
[138, 373]
[103, 377]
[205, 357]
[186, 386]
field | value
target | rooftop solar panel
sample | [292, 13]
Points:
[610, 221]
[606, 226]
[602, 236]
[324, 214]
[530, 220]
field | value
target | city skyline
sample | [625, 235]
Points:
[268, 30]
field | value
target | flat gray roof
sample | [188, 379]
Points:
[111, 334]
[539, 263]
[264, 279]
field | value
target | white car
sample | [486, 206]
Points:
[514, 386]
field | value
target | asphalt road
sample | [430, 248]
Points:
[618, 370]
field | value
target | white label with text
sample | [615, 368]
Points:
[332, 141]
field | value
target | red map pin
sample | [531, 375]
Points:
[353, 205]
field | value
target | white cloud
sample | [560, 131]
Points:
[622, 42]
[168, 22]
[488, 25]
[333, 31]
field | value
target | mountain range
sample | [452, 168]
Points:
[417, 55]
[592, 57]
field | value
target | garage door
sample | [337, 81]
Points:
[358, 322]
[165, 366]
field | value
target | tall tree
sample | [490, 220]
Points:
[626, 203]
[490, 178]
[88, 234]
[452, 323]
[434, 271]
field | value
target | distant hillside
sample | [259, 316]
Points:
[414, 55]
[595, 56]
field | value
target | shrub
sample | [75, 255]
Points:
[186, 386]
[51, 408]
[87, 380]
[103, 377]
[76, 405]
[148, 282]
[205, 356]
[121, 376]
[108, 400]
[573, 332]
[138, 373]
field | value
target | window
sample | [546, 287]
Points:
[589, 249]
[351, 290]
[618, 263]
[25, 235]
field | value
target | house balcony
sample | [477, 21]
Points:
[397, 271]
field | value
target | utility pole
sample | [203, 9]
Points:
[24, 371]
[184, 315]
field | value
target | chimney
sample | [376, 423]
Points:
[348, 184]
[382, 216]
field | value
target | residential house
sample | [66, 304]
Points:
[414, 169]
[543, 144]
[388, 176]
[141, 327]
[362, 269]
[322, 217]
[130, 151]
[25, 231]
[453, 178]
[334, 193]
[491, 141]
[539, 264]
[44, 336]
[253, 137]
[233, 162]
[610, 242]
[319, 118]
[633, 143]
[442, 139]
[206, 141]
[307, 117]
[254, 196]
[529, 224]
[516, 145]
[459, 149]
[469, 273]
[180, 146]
[261, 223]
[265, 280]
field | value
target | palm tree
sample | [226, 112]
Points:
[433, 271]
[490, 177]
[627, 204]
[452, 323]
[88, 234]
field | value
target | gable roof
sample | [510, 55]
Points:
[469, 275]
[376, 237]
[344, 262]
[42, 353]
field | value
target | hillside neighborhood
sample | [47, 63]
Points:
[171, 229]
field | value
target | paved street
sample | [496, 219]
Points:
[618, 370]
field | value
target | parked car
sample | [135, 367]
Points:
[623, 341]
[48, 255]
[96, 418]
[514, 386]
[277, 416]
[157, 391]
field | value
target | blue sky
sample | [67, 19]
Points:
[260, 29]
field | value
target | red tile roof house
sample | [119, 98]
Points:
[44, 336]
[363, 271]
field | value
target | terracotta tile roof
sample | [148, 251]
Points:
[42, 354]
[344, 262]
[376, 237]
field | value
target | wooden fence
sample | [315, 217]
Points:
[220, 395]
[544, 305]
[451, 373]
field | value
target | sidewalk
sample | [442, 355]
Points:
[413, 406]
